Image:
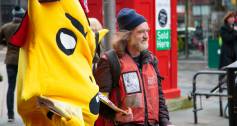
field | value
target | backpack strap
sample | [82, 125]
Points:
[97, 52]
[115, 70]
[115, 66]
[97, 43]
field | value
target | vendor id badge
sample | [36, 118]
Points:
[131, 82]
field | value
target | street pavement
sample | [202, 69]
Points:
[209, 116]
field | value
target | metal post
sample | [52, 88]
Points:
[232, 92]
[198, 93]
[0, 13]
[194, 100]
[19, 2]
[232, 100]
[220, 98]
[109, 21]
[186, 27]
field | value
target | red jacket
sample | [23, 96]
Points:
[138, 90]
[155, 97]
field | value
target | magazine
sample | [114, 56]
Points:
[110, 104]
[54, 106]
[60, 108]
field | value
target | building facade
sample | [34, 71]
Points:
[6, 7]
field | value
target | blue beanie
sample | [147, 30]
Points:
[128, 19]
[18, 12]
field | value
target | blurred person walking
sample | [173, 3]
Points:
[229, 41]
[96, 27]
[95, 24]
[11, 60]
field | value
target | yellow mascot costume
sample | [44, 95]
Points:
[55, 82]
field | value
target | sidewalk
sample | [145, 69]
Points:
[209, 116]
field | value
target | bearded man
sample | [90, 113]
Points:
[138, 89]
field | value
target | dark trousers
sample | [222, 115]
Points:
[11, 74]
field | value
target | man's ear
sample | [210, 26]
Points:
[41, 1]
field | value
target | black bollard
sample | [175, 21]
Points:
[232, 92]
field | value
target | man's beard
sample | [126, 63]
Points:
[141, 46]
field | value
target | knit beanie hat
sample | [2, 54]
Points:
[18, 12]
[128, 19]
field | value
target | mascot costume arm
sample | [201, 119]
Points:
[55, 84]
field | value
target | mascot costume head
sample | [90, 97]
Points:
[55, 82]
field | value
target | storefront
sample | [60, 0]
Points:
[162, 19]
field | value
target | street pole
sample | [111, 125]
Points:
[0, 12]
[109, 21]
[186, 28]
[19, 3]
[231, 90]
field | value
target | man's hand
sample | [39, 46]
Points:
[235, 28]
[121, 117]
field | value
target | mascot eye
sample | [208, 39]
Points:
[66, 41]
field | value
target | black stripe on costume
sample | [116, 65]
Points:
[76, 24]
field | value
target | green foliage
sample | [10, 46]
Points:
[179, 103]
[181, 44]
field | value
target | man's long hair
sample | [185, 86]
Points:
[120, 41]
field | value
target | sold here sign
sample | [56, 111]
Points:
[163, 25]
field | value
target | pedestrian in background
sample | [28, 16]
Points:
[96, 27]
[139, 89]
[229, 41]
[11, 60]
[95, 24]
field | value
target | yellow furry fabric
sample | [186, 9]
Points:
[56, 62]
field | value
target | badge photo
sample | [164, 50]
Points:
[131, 82]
